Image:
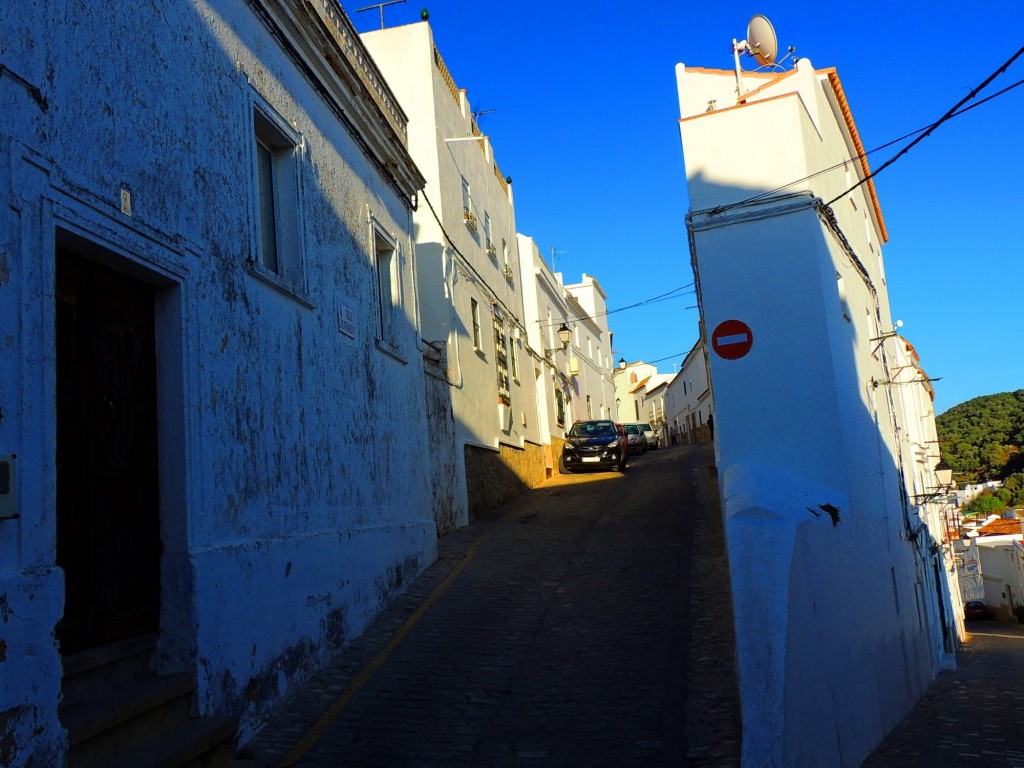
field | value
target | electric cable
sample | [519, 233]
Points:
[955, 113]
[949, 115]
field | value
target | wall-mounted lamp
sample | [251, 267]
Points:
[564, 334]
[895, 331]
[622, 363]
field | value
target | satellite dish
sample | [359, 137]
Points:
[762, 43]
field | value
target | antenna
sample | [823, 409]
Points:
[381, 7]
[553, 254]
[483, 112]
[761, 43]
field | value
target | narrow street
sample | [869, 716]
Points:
[557, 632]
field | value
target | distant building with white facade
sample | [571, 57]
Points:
[836, 624]
[468, 275]
[688, 399]
[590, 364]
[993, 558]
[632, 382]
[576, 378]
[207, 294]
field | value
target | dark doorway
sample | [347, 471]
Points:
[108, 520]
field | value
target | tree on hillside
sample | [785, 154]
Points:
[982, 439]
[985, 505]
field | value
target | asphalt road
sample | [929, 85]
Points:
[553, 633]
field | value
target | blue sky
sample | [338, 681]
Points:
[585, 122]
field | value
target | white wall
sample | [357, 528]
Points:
[454, 265]
[285, 529]
[833, 643]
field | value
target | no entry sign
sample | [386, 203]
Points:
[732, 339]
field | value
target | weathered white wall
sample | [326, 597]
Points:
[833, 640]
[454, 265]
[294, 500]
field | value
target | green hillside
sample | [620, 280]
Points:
[982, 440]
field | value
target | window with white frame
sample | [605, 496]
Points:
[278, 221]
[514, 359]
[590, 408]
[467, 200]
[559, 406]
[385, 259]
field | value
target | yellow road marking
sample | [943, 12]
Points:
[303, 745]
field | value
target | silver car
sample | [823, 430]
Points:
[636, 438]
[652, 437]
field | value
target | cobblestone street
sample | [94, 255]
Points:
[971, 716]
[562, 631]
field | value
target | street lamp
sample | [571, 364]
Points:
[564, 334]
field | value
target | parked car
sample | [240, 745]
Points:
[653, 438]
[975, 609]
[595, 443]
[636, 438]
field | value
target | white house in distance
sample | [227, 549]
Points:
[688, 399]
[205, 286]
[590, 364]
[468, 270]
[632, 381]
[546, 313]
[837, 632]
[996, 551]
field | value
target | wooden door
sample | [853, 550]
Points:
[108, 521]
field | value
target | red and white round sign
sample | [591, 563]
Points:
[732, 339]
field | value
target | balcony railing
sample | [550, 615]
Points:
[469, 218]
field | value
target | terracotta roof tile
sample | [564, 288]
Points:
[1001, 527]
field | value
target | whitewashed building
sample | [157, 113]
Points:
[212, 386]
[576, 380]
[836, 632]
[590, 363]
[545, 314]
[632, 382]
[688, 400]
[468, 273]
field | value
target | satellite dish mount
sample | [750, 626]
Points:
[761, 43]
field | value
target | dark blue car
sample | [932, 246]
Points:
[594, 444]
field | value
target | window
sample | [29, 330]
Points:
[475, 311]
[590, 408]
[501, 361]
[467, 200]
[514, 360]
[487, 234]
[278, 241]
[559, 406]
[636, 406]
[388, 298]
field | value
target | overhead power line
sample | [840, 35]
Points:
[879, 148]
[949, 115]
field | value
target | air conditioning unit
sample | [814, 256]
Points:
[574, 366]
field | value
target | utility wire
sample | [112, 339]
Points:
[869, 152]
[673, 294]
[951, 113]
